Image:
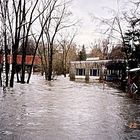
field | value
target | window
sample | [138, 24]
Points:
[80, 71]
[94, 72]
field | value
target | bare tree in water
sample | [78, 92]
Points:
[58, 18]
[66, 46]
[4, 45]
[18, 16]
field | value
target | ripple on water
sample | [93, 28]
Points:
[63, 109]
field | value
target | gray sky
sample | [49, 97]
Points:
[83, 9]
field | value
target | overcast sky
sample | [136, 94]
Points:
[83, 9]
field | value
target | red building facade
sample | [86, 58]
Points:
[29, 59]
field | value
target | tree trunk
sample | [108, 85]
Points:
[65, 68]
[13, 70]
[14, 62]
[50, 62]
[6, 63]
[0, 79]
[25, 41]
[63, 63]
[23, 68]
[5, 44]
[7, 73]
[18, 78]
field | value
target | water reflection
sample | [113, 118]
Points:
[67, 110]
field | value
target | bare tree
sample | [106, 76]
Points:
[96, 49]
[3, 17]
[19, 16]
[44, 21]
[57, 19]
[42, 51]
[66, 45]
[113, 27]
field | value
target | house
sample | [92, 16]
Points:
[92, 68]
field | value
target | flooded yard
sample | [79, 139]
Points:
[67, 110]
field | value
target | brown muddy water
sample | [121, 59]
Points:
[67, 110]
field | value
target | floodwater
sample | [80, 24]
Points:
[67, 110]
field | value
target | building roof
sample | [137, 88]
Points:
[92, 58]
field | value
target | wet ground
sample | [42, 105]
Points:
[67, 110]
